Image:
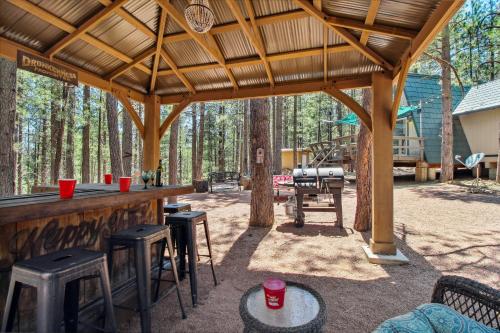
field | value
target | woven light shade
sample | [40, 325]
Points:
[199, 16]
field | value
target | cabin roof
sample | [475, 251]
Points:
[480, 98]
[425, 91]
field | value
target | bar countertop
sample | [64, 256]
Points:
[87, 197]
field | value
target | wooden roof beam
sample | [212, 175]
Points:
[122, 69]
[360, 81]
[399, 91]
[370, 19]
[257, 42]
[212, 50]
[131, 110]
[438, 19]
[346, 35]
[131, 19]
[176, 111]
[251, 61]
[351, 104]
[65, 26]
[159, 43]
[8, 49]
[176, 71]
[318, 4]
[295, 15]
[89, 24]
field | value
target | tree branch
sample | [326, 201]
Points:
[443, 62]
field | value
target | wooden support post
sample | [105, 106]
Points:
[382, 241]
[151, 151]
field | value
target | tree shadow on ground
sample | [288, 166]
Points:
[326, 229]
[455, 193]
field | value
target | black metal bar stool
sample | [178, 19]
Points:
[186, 223]
[140, 238]
[56, 277]
[176, 208]
[172, 209]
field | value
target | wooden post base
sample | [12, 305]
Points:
[382, 248]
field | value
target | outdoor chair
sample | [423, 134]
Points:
[458, 305]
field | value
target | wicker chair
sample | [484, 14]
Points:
[470, 298]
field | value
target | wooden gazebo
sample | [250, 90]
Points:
[144, 50]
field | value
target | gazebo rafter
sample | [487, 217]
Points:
[159, 42]
[131, 19]
[370, 20]
[212, 50]
[65, 26]
[346, 35]
[83, 28]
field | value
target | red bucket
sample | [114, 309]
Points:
[274, 291]
[67, 188]
[125, 184]
[108, 178]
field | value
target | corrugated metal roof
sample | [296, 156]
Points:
[234, 44]
[250, 75]
[209, 79]
[188, 53]
[168, 85]
[279, 36]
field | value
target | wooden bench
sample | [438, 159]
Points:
[224, 178]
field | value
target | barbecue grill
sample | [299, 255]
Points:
[318, 181]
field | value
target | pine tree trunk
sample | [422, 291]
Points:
[56, 130]
[279, 135]
[295, 106]
[244, 146]
[222, 139]
[44, 149]
[286, 142]
[363, 217]
[127, 143]
[261, 207]
[99, 140]
[447, 127]
[339, 117]
[70, 144]
[86, 136]
[19, 154]
[8, 78]
[194, 148]
[201, 140]
[114, 138]
[172, 156]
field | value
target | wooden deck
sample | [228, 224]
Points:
[407, 150]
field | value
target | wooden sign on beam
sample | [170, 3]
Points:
[43, 66]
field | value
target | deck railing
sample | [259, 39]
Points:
[405, 148]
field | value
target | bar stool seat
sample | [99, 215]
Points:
[56, 276]
[185, 223]
[140, 238]
[176, 207]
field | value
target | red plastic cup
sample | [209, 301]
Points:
[108, 178]
[274, 291]
[67, 188]
[125, 184]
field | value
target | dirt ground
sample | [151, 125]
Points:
[441, 228]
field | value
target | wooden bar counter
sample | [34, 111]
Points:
[40, 223]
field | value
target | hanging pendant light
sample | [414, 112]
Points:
[199, 16]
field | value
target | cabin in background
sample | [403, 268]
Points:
[479, 115]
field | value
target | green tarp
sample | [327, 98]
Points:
[352, 119]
